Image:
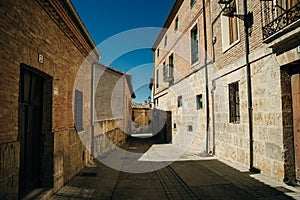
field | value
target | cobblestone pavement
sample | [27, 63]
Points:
[195, 179]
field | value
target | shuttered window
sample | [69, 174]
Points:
[78, 110]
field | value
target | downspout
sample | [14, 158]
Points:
[213, 117]
[249, 87]
[93, 109]
[206, 78]
[213, 41]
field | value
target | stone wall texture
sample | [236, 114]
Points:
[113, 110]
[273, 149]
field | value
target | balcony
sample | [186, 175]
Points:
[276, 20]
[168, 73]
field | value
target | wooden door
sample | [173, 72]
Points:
[30, 128]
[296, 119]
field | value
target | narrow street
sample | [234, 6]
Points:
[198, 179]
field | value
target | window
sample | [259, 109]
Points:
[171, 65]
[283, 5]
[78, 110]
[157, 78]
[233, 26]
[194, 45]
[229, 26]
[179, 101]
[157, 52]
[176, 24]
[156, 101]
[192, 2]
[166, 40]
[234, 103]
[199, 102]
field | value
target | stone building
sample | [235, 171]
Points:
[113, 108]
[266, 93]
[179, 83]
[44, 47]
[141, 116]
[250, 114]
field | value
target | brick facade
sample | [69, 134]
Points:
[52, 29]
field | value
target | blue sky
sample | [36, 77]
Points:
[121, 31]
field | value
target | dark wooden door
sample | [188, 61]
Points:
[30, 128]
[296, 118]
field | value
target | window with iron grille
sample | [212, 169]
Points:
[78, 110]
[168, 69]
[194, 45]
[234, 103]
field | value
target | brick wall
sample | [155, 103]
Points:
[179, 43]
[26, 30]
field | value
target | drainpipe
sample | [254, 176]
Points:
[206, 78]
[213, 116]
[249, 87]
[93, 108]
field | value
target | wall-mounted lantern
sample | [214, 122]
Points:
[230, 9]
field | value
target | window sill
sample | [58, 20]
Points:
[231, 46]
[192, 5]
[80, 131]
[195, 64]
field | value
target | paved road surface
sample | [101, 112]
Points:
[197, 179]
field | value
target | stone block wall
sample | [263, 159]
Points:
[187, 120]
[271, 93]
[141, 117]
[108, 136]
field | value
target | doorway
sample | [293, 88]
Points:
[33, 116]
[295, 80]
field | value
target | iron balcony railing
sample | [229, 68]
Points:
[168, 73]
[275, 17]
